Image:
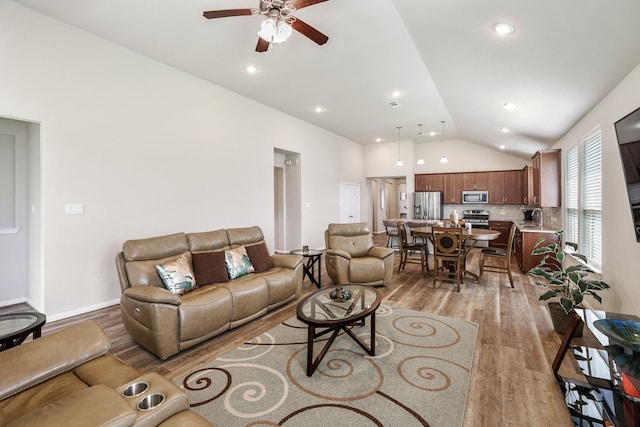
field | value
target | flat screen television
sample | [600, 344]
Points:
[628, 133]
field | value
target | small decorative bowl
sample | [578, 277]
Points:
[340, 294]
[625, 333]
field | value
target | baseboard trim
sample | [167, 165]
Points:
[82, 310]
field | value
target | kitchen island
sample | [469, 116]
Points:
[526, 236]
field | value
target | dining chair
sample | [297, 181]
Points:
[412, 225]
[498, 260]
[448, 254]
[408, 250]
[391, 227]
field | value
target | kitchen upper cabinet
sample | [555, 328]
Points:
[512, 188]
[526, 185]
[430, 182]
[504, 188]
[546, 179]
[475, 181]
[453, 188]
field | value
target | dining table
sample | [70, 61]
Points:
[474, 234]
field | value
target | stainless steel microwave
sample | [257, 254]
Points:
[478, 196]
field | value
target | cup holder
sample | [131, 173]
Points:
[135, 389]
[150, 401]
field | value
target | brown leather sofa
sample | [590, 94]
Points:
[68, 379]
[351, 257]
[165, 323]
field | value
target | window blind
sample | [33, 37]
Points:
[583, 197]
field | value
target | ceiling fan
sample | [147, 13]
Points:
[279, 23]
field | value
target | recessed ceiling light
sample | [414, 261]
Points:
[318, 109]
[502, 147]
[395, 94]
[378, 139]
[509, 106]
[432, 133]
[505, 130]
[503, 28]
[250, 69]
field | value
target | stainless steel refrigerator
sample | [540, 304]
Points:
[427, 205]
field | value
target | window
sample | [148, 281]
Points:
[583, 214]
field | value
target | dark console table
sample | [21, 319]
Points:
[600, 400]
[313, 267]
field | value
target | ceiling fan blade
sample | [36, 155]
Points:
[299, 4]
[262, 45]
[310, 32]
[225, 13]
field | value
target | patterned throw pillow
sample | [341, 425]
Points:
[238, 263]
[177, 275]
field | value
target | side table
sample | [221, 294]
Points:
[601, 400]
[313, 258]
[15, 328]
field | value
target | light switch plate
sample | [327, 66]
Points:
[74, 209]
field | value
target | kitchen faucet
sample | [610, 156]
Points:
[540, 219]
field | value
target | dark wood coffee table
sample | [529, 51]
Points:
[16, 327]
[319, 310]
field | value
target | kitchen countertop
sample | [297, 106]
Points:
[532, 226]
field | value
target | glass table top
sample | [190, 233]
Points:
[321, 307]
[12, 324]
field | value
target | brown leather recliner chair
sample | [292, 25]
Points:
[351, 257]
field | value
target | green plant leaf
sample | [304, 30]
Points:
[566, 304]
[548, 295]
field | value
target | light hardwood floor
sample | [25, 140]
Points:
[511, 381]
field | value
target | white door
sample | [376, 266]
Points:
[349, 202]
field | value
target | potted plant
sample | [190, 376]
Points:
[567, 284]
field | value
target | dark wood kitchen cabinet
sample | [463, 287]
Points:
[504, 227]
[453, 188]
[526, 185]
[475, 181]
[505, 188]
[523, 244]
[546, 179]
[430, 182]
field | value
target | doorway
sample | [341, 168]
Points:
[287, 200]
[389, 199]
[20, 228]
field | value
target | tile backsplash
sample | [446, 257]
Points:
[552, 216]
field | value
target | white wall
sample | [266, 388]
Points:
[147, 150]
[380, 159]
[621, 251]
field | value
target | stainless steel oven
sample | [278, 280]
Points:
[477, 196]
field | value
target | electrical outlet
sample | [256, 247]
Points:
[74, 209]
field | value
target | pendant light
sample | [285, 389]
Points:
[443, 159]
[420, 159]
[399, 162]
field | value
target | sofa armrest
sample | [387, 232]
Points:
[95, 406]
[338, 252]
[44, 358]
[380, 252]
[152, 294]
[286, 260]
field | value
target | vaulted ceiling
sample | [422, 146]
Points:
[442, 57]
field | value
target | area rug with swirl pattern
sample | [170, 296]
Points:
[418, 377]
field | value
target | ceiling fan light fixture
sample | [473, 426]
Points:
[267, 29]
[283, 31]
